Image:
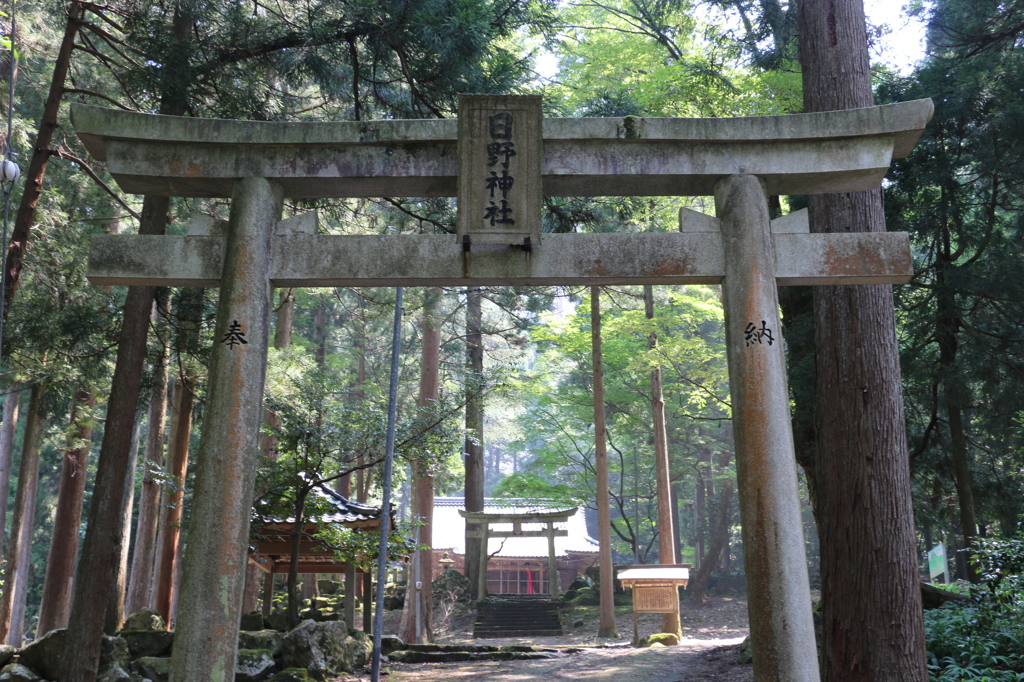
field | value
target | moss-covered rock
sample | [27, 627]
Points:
[251, 621]
[45, 656]
[148, 642]
[254, 665]
[587, 596]
[292, 675]
[261, 639]
[320, 648]
[6, 654]
[389, 643]
[15, 672]
[664, 639]
[146, 619]
[153, 668]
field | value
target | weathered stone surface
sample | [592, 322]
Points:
[358, 649]
[746, 651]
[15, 672]
[261, 639]
[148, 642]
[389, 643]
[437, 260]
[320, 648]
[153, 668]
[252, 621]
[45, 655]
[836, 151]
[146, 619]
[113, 673]
[451, 585]
[6, 653]
[114, 651]
[430, 656]
[254, 665]
[277, 621]
[292, 675]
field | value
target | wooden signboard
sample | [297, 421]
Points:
[499, 185]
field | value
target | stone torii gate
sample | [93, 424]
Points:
[739, 161]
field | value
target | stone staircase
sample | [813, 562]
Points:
[517, 615]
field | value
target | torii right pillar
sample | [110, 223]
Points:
[781, 626]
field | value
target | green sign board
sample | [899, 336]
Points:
[937, 561]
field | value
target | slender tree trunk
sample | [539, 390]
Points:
[19, 552]
[666, 523]
[719, 540]
[947, 333]
[606, 626]
[7, 457]
[285, 316]
[140, 584]
[474, 447]
[60, 563]
[293, 562]
[419, 595]
[114, 618]
[40, 155]
[862, 474]
[177, 465]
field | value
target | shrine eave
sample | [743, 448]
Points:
[848, 150]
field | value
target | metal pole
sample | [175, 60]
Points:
[389, 454]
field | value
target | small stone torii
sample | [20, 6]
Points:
[548, 519]
[500, 158]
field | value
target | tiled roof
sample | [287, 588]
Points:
[449, 529]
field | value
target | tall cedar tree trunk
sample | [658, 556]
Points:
[666, 522]
[416, 617]
[140, 584]
[177, 464]
[114, 618]
[947, 331]
[474, 448]
[19, 552]
[7, 429]
[101, 550]
[606, 623]
[41, 153]
[873, 622]
[60, 563]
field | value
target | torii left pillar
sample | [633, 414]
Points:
[210, 608]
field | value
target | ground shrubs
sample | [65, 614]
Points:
[983, 639]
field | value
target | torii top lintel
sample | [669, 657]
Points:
[836, 151]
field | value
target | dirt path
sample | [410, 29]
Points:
[690, 661]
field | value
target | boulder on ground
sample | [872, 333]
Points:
[15, 672]
[663, 638]
[6, 654]
[292, 675]
[153, 668]
[253, 665]
[746, 651]
[389, 643]
[252, 621]
[277, 621]
[320, 648]
[261, 639]
[148, 642]
[113, 673]
[146, 619]
[45, 656]
[451, 586]
[358, 648]
[114, 650]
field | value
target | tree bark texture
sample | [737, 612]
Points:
[40, 155]
[140, 583]
[285, 317]
[12, 605]
[474, 447]
[114, 618]
[7, 429]
[100, 550]
[873, 623]
[719, 540]
[606, 623]
[419, 595]
[60, 562]
[177, 464]
[666, 523]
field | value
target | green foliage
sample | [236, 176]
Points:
[983, 639]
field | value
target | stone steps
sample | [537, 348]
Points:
[517, 616]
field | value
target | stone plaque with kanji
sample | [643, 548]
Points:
[499, 185]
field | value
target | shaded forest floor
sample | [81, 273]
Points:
[709, 651]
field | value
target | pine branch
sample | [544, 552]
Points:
[92, 93]
[67, 156]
